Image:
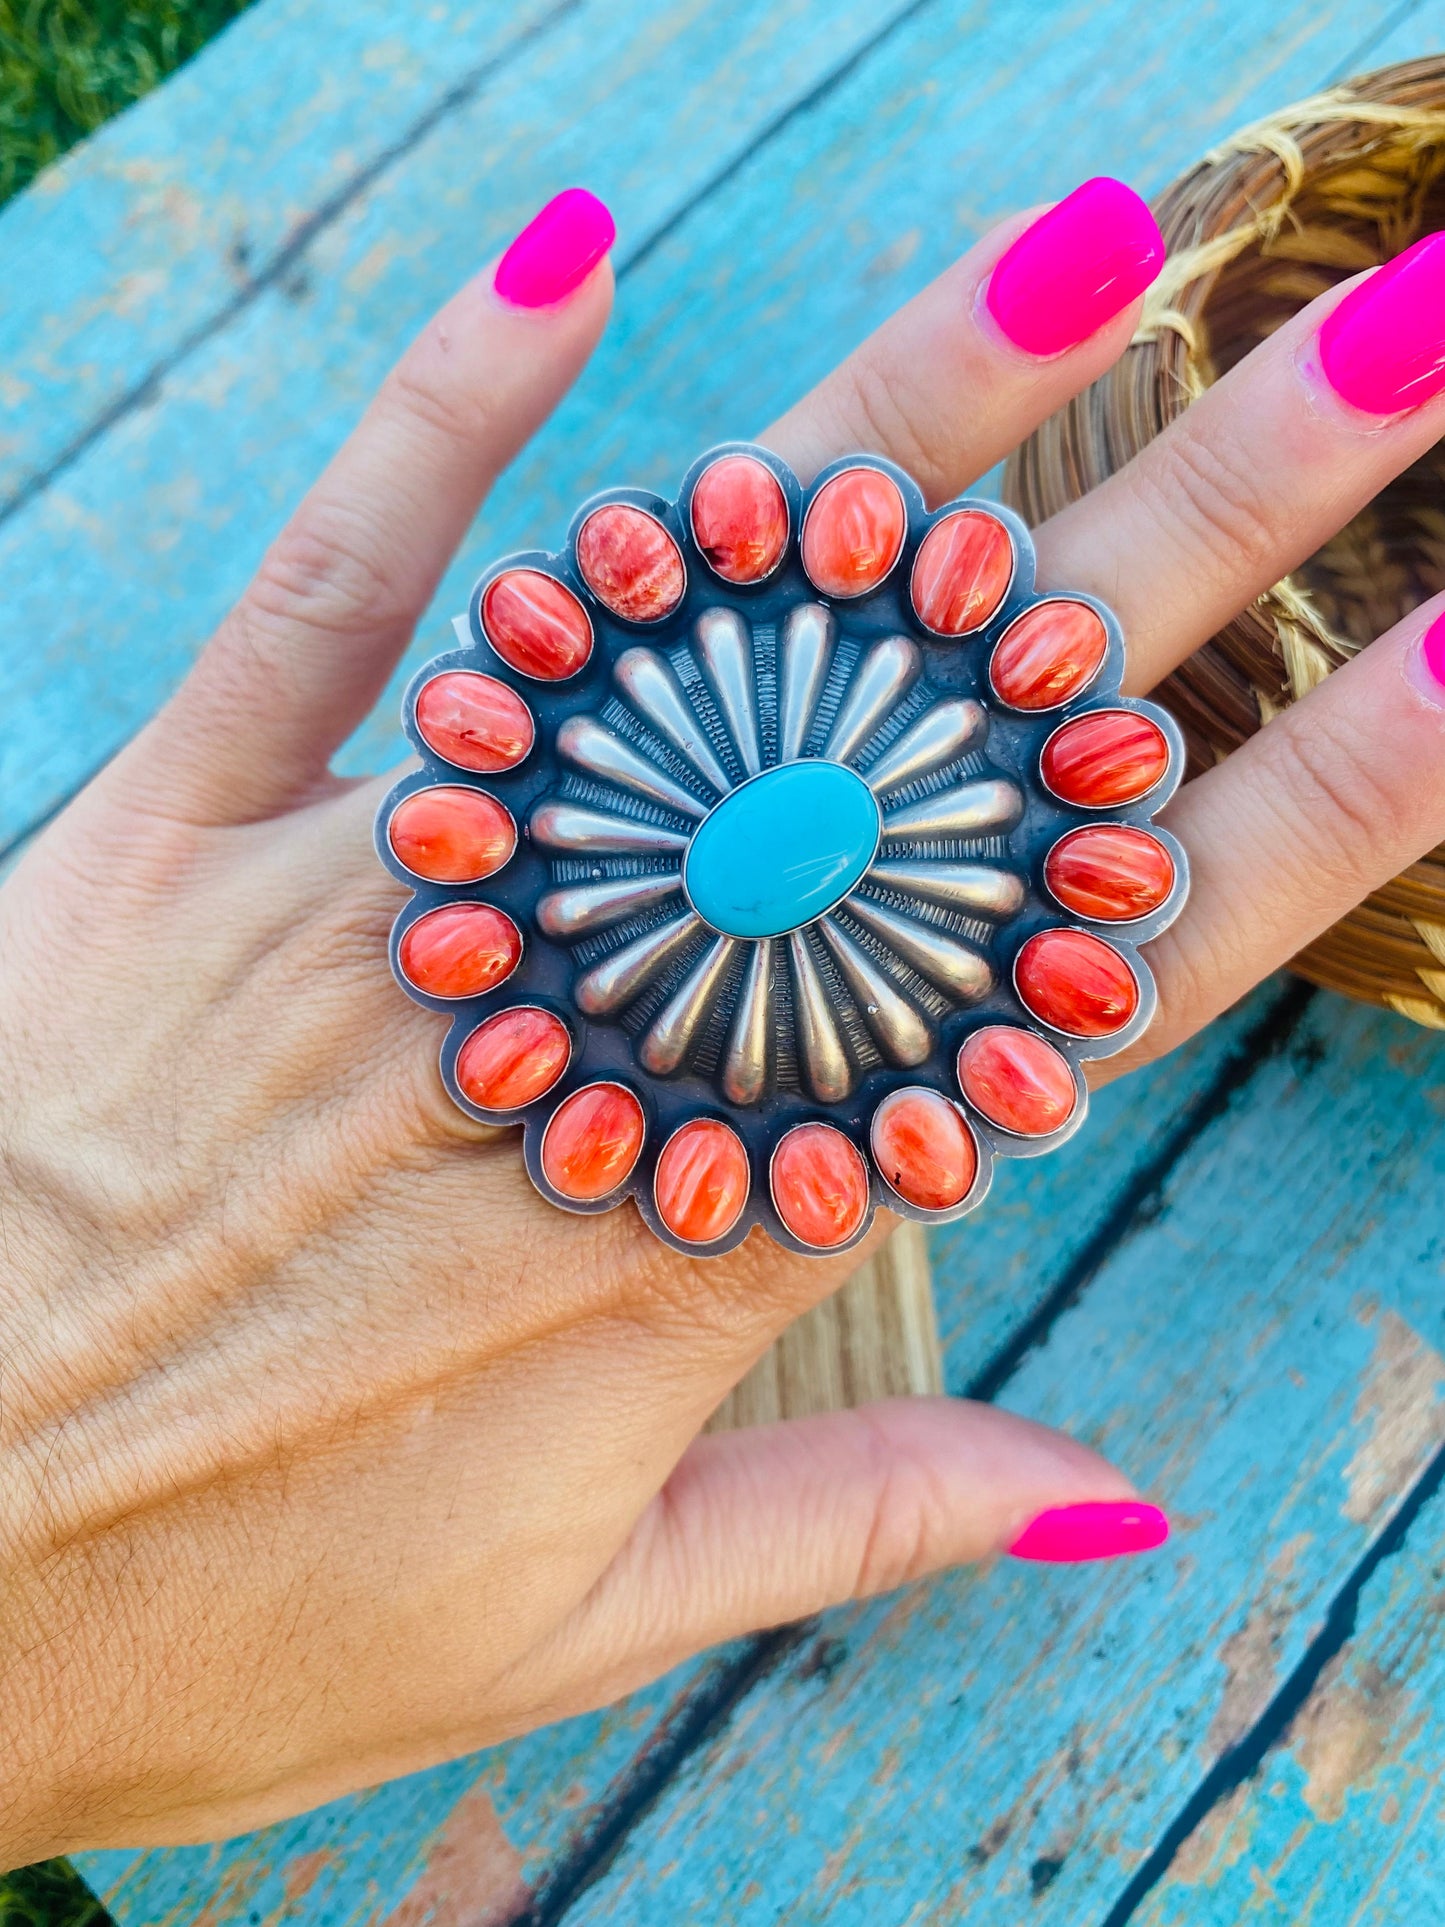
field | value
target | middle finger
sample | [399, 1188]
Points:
[1267, 465]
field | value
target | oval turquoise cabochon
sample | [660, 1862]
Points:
[782, 849]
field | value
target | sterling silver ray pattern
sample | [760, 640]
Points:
[778, 854]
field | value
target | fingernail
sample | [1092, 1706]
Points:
[1101, 1529]
[1431, 656]
[1077, 266]
[556, 250]
[1383, 348]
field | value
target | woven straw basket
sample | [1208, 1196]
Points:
[1263, 224]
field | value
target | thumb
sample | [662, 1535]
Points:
[759, 1527]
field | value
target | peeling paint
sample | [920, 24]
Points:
[1401, 1406]
[1344, 1733]
[472, 1877]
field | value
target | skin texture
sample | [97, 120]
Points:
[326, 1449]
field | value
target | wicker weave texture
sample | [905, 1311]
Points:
[1264, 223]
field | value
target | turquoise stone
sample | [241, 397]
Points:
[782, 849]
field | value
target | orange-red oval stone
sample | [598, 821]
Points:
[924, 1149]
[1017, 1080]
[819, 1184]
[1103, 759]
[853, 533]
[452, 835]
[474, 721]
[535, 623]
[740, 518]
[701, 1184]
[1049, 654]
[593, 1141]
[1109, 872]
[513, 1058]
[1076, 982]
[961, 572]
[460, 950]
[630, 562]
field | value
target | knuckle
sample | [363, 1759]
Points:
[1208, 490]
[324, 572]
[896, 421]
[908, 1523]
[1338, 813]
[425, 391]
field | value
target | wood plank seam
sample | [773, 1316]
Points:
[709, 1705]
[1239, 1762]
[769, 131]
[1358, 56]
[1136, 1205]
[285, 261]
[291, 257]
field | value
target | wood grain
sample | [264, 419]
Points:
[1007, 1743]
[1002, 1745]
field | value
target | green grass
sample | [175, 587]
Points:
[66, 66]
[51, 1894]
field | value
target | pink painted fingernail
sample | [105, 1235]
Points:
[556, 250]
[1077, 266]
[1383, 348]
[1100, 1529]
[1432, 656]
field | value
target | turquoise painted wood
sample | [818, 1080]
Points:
[1002, 1745]
[1262, 1353]
[125, 563]
[1341, 1821]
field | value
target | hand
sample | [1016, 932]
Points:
[326, 1449]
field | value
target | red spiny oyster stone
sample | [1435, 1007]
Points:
[1049, 654]
[513, 1058]
[1103, 759]
[535, 623]
[702, 1181]
[853, 533]
[452, 835]
[740, 518]
[630, 562]
[1076, 982]
[1017, 1080]
[460, 950]
[474, 721]
[924, 1149]
[819, 1184]
[1109, 872]
[593, 1141]
[961, 573]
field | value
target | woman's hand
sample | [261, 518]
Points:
[326, 1449]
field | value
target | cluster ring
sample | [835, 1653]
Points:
[780, 853]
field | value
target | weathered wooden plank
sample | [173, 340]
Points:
[1409, 33]
[139, 238]
[1342, 1820]
[125, 563]
[1261, 1355]
[688, 308]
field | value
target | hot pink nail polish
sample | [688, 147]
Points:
[1382, 348]
[1078, 265]
[1432, 654]
[1100, 1529]
[556, 250]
